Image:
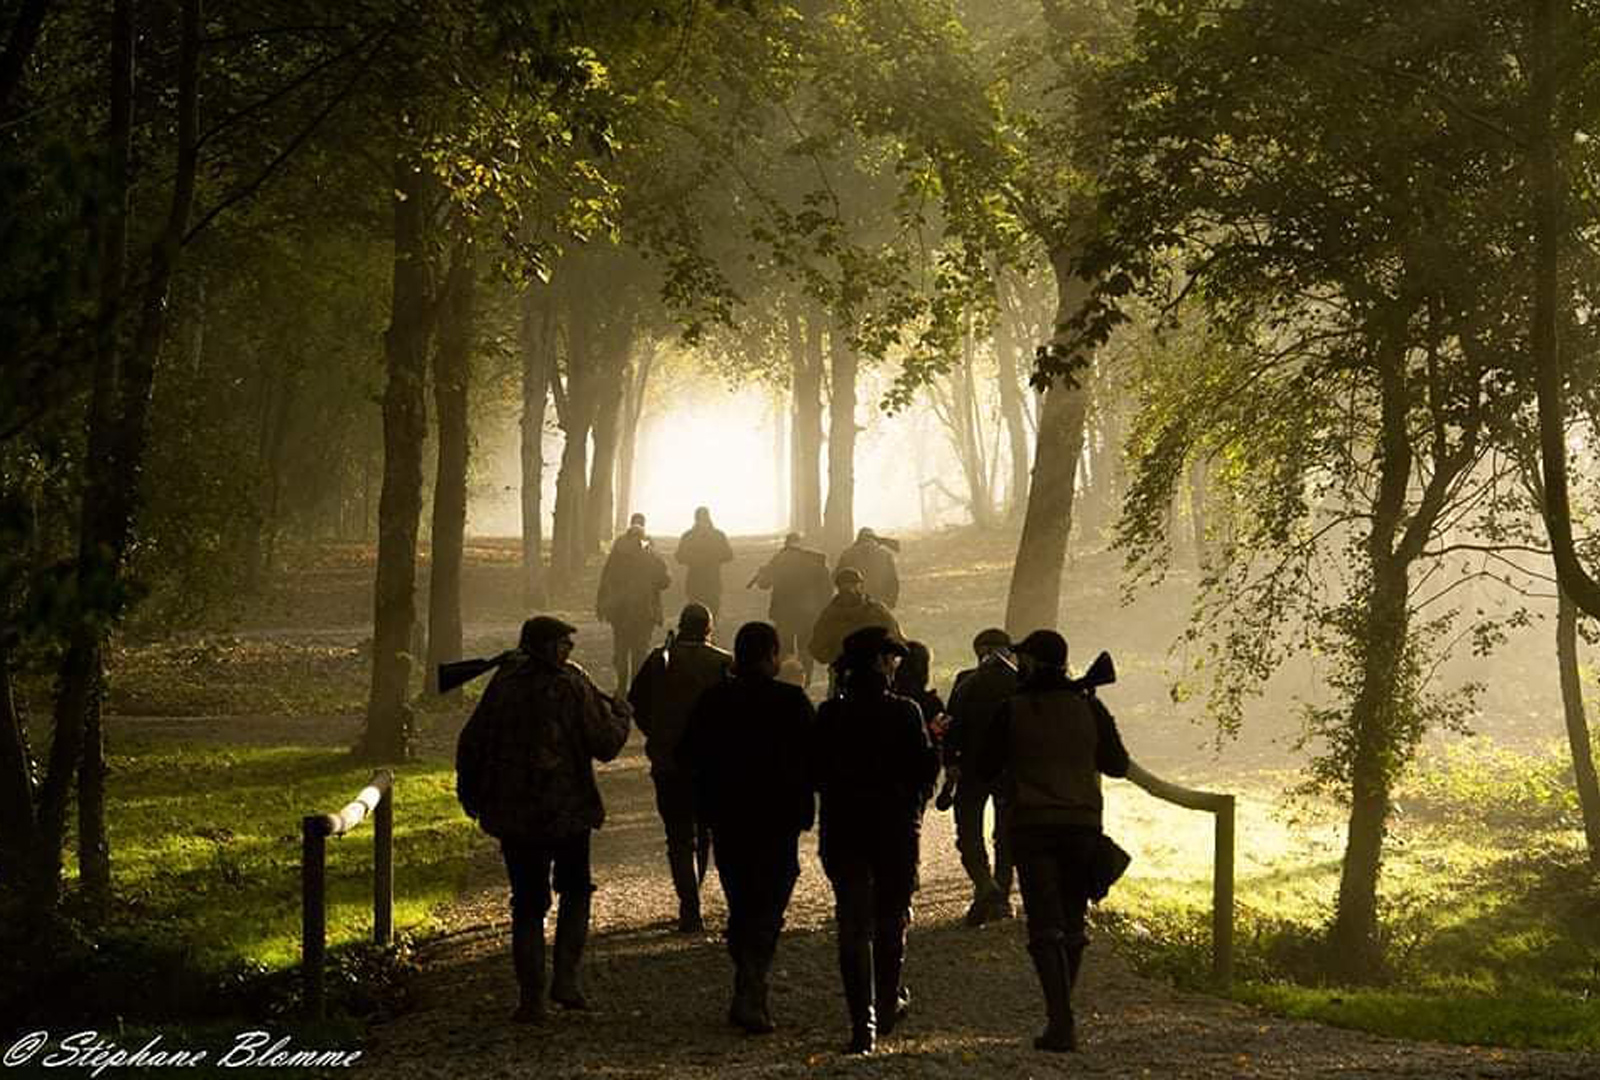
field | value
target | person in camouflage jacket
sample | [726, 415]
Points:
[525, 773]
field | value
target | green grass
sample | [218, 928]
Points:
[205, 917]
[1490, 911]
[202, 835]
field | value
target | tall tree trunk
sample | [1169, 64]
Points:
[1375, 714]
[1549, 135]
[1578, 724]
[1011, 412]
[387, 736]
[111, 489]
[577, 417]
[1197, 510]
[628, 444]
[1034, 600]
[805, 350]
[538, 342]
[18, 787]
[780, 456]
[1354, 939]
[611, 389]
[838, 515]
[452, 374]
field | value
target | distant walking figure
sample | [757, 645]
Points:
[801, 588]
[1056, 739]
[975, 698]
[875, 768]
[631, 584]
[873, 555]
[748, 748]
[663, 694]
[851, 609]
[703, 549]
[525, 773]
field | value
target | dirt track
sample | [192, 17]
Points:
[662, 997]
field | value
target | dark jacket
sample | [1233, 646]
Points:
[876, 564]
[748, 748]
[703, 551]
[664, 693]
[801, 587]
[975, 697]
[631, 583]
[524, 761]
[873, 762]
[844, 615]
[1054, 740]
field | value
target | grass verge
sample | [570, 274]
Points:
[1490, 911]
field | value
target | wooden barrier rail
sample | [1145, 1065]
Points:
[376, 800]
[1222, 870]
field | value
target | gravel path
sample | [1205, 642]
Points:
[661, 997]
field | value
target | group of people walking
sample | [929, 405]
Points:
[743, 765]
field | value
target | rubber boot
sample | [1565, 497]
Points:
[762, 951]
[855, 969]
[1050, 961]
[527, 957]
[572, 930]
[746, 1007]
[893, 1000]
[687, 885]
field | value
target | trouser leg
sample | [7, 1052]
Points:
[675, 804]
[971, 843]
[854, 912]
[528, 869]
[1003, 870]
[574, 886]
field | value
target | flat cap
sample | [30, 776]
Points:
[543, 628]
[992, 638]
[847, 575]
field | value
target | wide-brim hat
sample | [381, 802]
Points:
[872, 641]
[1045, 646]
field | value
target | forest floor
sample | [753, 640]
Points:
[291, 672]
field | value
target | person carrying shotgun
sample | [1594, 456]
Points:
[1053, 739]
[664, 693]
[525, 773]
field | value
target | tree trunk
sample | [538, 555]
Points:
[538, 340]
[116, 460]
[780, 457]
[1011, 412]
[1197, 510]
[1034, 601]
[601, 503]
[18, 788]
[572, 482]
[628, 446]
[94, 847]
[1354, 941]
[838, 515]
[1375, 717]
[387, 736]
[1578, 724]
[1548, 137]
[805, 350]
[452, 374]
